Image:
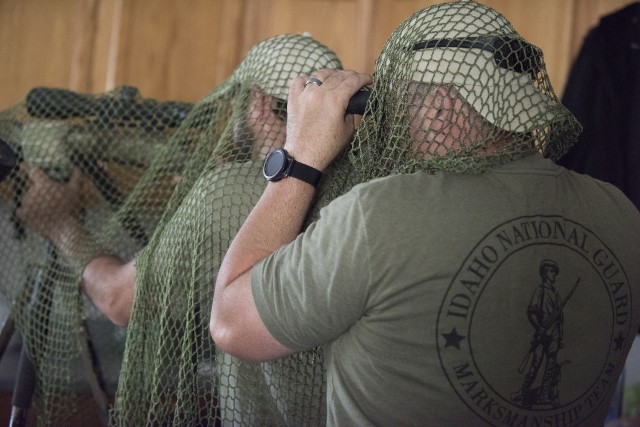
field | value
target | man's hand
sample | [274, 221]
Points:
[318, 128]
[52, 209]
[48, 206]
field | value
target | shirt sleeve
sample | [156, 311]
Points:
[314, 289]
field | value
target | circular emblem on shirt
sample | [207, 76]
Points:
[535, 274]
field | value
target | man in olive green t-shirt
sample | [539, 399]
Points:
[419, 282]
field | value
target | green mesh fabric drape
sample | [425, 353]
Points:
[183, 189]
[172, 373]
[112, 137]
[469, 92]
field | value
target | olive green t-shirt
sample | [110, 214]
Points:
[504, 298]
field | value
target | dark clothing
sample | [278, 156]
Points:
[603, 91]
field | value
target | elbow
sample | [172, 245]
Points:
[217, 326]
[120, 318]
[221, 338]
[234, 321]
[227, 343]
[116, 302]
[110, 285]
[222, 330]
[118, 310]
[213, 329]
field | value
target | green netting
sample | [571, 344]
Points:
[170, 184]
[469, 92]
[113, 138]
[181, 194]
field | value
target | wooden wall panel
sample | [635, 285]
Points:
[36, 46]
[173, 50]
[93, 25]
[340, 24]
[182, 50]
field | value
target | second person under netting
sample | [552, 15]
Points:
[470, 281]
[172, 374]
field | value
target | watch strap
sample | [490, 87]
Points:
[305, 173]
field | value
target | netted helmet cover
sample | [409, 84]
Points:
[457, 88]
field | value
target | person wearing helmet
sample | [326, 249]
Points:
[256, 95]
[418, 282]
[172, 373]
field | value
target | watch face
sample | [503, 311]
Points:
[275, 165]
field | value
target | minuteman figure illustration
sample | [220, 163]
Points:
[540, 386]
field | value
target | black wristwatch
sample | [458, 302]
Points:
[279, 164]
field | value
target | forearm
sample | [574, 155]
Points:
[108, 281]
[72, 241]
[53, 210]
[275, 221]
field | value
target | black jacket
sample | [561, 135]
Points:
[603, 92]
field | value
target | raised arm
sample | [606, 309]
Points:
[317, 131]
[52, 209]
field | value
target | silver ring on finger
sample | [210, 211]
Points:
[313, 80]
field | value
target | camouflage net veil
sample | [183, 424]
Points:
[457, 88]
[172, 373]
[182, 186]
[75, 352]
